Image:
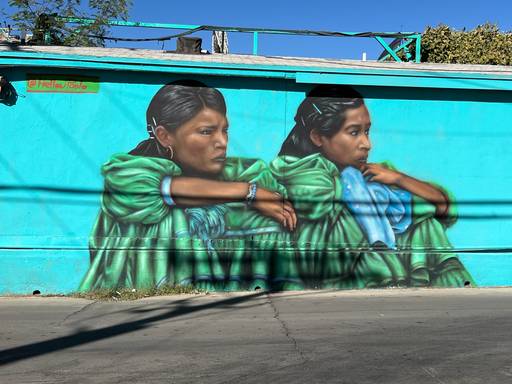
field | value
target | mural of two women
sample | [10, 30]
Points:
[177, 210]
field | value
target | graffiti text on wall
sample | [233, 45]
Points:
[62, 84]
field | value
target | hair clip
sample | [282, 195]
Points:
[153, 127]
[317, 109]
[149, 128]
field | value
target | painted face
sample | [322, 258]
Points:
[200, 144]
[351, 145]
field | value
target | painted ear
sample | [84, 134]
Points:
[163, 136]
[315, 138]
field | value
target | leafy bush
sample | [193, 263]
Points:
[485, 44]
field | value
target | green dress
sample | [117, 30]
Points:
[332, 251]
[138, 241]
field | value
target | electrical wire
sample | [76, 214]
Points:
[305, 32]
[162, 38]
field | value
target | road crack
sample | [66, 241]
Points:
[83, 309]
[286, 330]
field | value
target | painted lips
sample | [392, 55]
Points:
[220, 159]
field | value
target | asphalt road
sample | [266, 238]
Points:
[378, 336]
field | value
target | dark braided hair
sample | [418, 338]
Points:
[171, 107]
[323, 109]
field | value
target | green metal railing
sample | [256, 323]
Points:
[403, 40]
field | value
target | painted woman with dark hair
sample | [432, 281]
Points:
[176, 210]
[360, 224]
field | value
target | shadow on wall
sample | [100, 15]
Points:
[82, 196]
[8, 94]
[370, 92]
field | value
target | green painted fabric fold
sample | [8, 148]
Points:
[332, 250]
[138, 241]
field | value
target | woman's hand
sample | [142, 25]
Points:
[273, 205]
[381, 174]
[417, 187]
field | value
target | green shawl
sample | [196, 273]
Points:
[332, 251]
[139, 241]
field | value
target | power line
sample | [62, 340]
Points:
[305, 32]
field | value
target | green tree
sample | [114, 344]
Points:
[42, 17]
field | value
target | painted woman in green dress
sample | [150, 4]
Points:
[176, 210]
[360, 224]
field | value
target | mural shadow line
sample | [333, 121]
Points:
[139, 309]
[81, 337]
[181, 305]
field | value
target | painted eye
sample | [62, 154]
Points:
[206, 131]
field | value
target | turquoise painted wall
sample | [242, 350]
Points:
[457, 138]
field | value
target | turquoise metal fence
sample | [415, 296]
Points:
[404, 39]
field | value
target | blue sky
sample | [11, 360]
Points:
[390, 15]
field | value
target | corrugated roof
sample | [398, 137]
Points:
[146, 54]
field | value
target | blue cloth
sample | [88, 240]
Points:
[381, 211]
